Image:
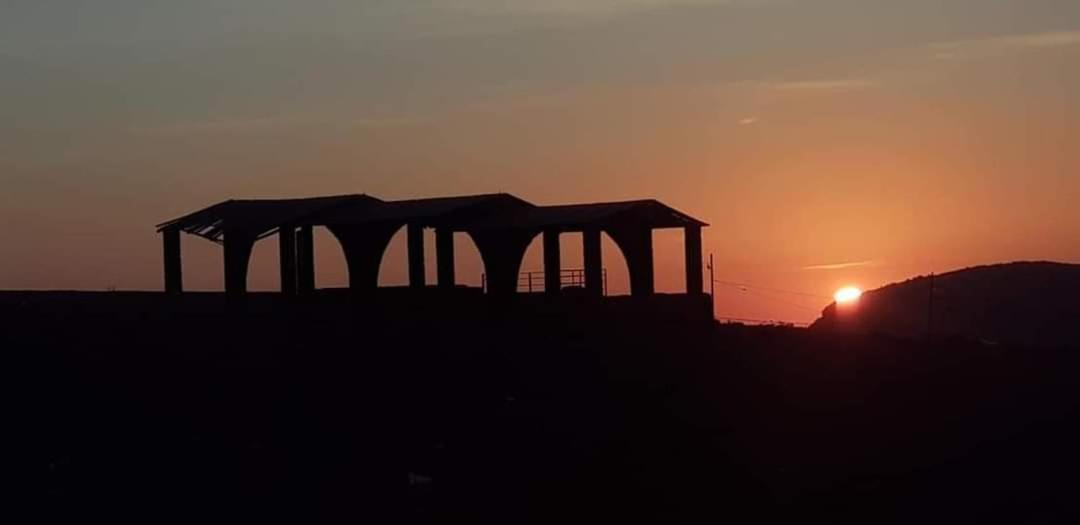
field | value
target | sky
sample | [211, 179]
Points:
[827, 142]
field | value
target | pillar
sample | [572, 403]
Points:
[552, 263]
[287, 259]
[305, 260]
[444, 255]
[694, 270]
[637, 247]
[238, 247]
[364, 246]
[642, 277]
[174, 276]
[417, 274]
[502, 252]
[594, 265]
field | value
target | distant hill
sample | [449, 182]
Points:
[1026, 303]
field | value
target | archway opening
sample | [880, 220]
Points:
[202, 264]
[669, 260]
[431, 263]
[331, 271]
[394, 266]
[616, 271]
[531, 272]
[264, 266]
[468, 264]
[572, 259]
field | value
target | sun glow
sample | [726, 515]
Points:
[847, 295]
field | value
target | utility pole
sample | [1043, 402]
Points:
[712, 287]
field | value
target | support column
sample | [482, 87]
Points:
[637, 247]
[417, 273]
[694, 270]
[594, 265]
[643, 281]
[305, 260]
[444, 257]
[237, 255]
[174, 273]
[552, 263]
[364, 246]
[287, 259]
[502, 252]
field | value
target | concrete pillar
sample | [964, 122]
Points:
[642, 278]
[417, 272]
[174, 273]
[287, 259]
[364, 246]
[594, 264]
[237, 255]
[502, 252]
[305, 260]
[694, 270]
[444, 255]
[552, 263]
[637, 247]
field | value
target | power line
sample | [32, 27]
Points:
[747, 286]
[769, 294]
[790, 303]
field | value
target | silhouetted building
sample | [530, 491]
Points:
[502, 227]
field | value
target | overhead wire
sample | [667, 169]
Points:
[769, 294]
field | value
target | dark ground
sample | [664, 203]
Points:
[129, 409]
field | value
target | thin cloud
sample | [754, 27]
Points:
[590, 7]
[838, 266]
[998, 44]
[748, 121]
[821, 86]
[257, 124]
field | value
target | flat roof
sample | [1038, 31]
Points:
[263, 217]
[259, 217]
[576, 217]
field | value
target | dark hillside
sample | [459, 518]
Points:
[295, 413]
[1025, 303]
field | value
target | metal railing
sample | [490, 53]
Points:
[533, 282]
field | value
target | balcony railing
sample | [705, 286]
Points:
[533, 282]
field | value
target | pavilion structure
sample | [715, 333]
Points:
[501, 225]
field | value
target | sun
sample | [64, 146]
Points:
[847, 295]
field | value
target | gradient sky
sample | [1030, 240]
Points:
[827, 141]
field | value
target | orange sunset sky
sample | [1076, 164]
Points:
[828, 142]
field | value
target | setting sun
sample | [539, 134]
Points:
[847, 295]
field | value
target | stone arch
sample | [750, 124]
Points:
[331, 267]
[393, 270]
[264, 266]
[245, 252]
[467, 257]
[502, 252]
[637, 248]
[532, 260]
[238, 248]
[364, 247]
[615, 266]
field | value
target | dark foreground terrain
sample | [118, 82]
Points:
[130, 409]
